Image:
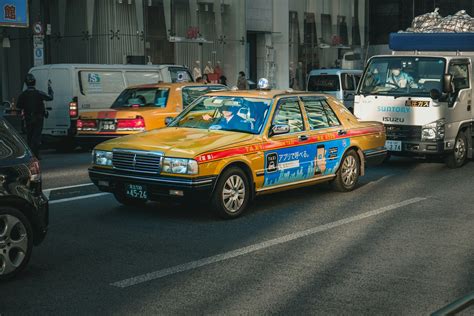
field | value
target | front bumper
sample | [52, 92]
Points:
[420, 148]
[157, 186]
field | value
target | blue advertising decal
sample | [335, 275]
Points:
[14, 13]
[298, 163]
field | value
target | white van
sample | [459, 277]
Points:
[340, 83]
[82, 87]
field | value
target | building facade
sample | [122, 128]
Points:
[281, 40]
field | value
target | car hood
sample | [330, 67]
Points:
[179, 142]
[120, 113]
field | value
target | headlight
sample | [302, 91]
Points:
[102, 158]
[180, 166]
[433, 131]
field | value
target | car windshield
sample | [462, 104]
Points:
[323, 83]
[142, 97]
[403, 76]
[239, 114]
[191, 93]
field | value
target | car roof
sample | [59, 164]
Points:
[266, 94]
[173, 85]
[334, 71]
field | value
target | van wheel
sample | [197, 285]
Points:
[16, 242]
[128, 201]
[459, 155]
[348, 173]
[232, 193]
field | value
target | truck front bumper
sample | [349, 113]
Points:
[420, 148]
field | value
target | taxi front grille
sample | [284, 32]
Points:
[403, 132]
[136, 161]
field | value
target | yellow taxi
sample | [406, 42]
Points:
[140, 108]
[230, 146]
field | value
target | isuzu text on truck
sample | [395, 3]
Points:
[423, 95]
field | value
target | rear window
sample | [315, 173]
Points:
[323, 83]
[142, 97]
[101, 82]
[11, 145]
[192, 93]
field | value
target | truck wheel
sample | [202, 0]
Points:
[232, 193]
[348, 173]
[16, 242]
[128, 201]
[458, 157]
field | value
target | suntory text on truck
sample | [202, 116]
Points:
[423, 95]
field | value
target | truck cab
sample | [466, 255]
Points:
[422, 93]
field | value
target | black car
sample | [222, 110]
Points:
[23, 206]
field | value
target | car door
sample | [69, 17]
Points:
[327, 135]
[288, 157]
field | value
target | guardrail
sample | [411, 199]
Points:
[456, 306]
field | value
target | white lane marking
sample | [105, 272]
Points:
[48, 191]
[380, 180]
[78, 198]
[249, 249]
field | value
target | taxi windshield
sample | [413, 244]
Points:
[142, 97]
[402, 76]
[239, 114]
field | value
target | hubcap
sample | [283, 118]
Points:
[349, 171]
[459, 150]
[233, 194]
[13, 243]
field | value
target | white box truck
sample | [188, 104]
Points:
[423, 95]
[82, 87]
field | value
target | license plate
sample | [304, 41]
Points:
[107, 125]
[136, 191]
[393, 145]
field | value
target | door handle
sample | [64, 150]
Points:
[341, 132]
[303, 137]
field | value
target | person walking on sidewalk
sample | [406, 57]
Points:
[31, 102]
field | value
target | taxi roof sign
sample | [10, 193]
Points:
[263, 84]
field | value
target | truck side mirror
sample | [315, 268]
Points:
[168, 120]
[448, 84]
[435, 94]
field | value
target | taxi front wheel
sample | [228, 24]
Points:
[232, 193]
[348, 173]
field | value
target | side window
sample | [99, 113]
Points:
[332, 117]
[347, 82]
[289, 112]
[356, 80]
[460, 72]
[316, 114]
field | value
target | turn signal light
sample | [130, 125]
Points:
[73, 108]
[86, 125]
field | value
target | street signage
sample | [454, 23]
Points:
[14, 13]
[38, 28]
[38, 50]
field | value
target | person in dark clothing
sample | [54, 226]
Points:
[31, 102]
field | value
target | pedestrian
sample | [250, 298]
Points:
[31, 102]
[242, 83]
[223, 80]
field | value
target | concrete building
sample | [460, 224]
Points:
[278, 39]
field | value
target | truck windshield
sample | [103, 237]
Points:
[403, 76]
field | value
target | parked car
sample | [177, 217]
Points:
[80, 87]
[23, 206]
[139, 108]
[340, 83]
[232, 145]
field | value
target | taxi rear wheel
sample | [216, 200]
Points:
[348, 173]
[232, 193]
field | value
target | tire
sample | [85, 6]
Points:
[16, 242]
[459, 155]
[122, 199]
[232, 193]
[348, 173]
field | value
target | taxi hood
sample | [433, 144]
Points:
[120, 113]
[178, 142]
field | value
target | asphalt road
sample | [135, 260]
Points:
[401, 243]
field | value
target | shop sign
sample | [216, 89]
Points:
[14, 13]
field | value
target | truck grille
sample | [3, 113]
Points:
[137, 161]
[403, 132]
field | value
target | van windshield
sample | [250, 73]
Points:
[403, 76]
[322, 83]
[142, 97]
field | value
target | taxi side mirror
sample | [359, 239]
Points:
[168, 120]
[279, 129]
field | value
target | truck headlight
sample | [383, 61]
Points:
[102, 158]
[180, 166]
[433, 131]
